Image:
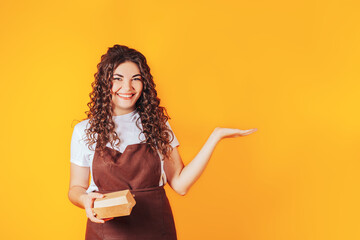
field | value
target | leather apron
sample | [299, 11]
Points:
[138, 169]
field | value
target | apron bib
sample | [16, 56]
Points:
[138, 169]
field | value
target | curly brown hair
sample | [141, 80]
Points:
[153, 116]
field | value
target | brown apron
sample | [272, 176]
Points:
[138, 169]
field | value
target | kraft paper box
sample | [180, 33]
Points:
[114, 204]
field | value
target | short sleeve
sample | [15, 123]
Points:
[174, 143]
[77, 151]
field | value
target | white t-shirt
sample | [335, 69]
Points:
[128, 133]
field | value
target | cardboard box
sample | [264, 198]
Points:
[114, 204]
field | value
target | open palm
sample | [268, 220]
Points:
[233, 132]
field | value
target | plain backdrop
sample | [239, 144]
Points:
[288, 68]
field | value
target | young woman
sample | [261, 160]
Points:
[126, 142]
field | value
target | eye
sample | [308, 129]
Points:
[136, 78]
[116, 78]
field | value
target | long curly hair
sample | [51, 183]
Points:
[153, 116]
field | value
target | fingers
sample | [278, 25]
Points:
[107, 219]
[234, 132]
[88, 205]
[249, 131]
[93, 195]
[92, 216]
[98, 220]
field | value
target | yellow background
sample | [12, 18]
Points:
[288, 68]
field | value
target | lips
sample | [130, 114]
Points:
[125, 96]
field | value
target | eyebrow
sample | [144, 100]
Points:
[123, 76]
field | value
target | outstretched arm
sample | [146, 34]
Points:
[181, 177]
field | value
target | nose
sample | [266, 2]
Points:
[127, 85]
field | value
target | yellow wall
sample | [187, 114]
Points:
[288, 68]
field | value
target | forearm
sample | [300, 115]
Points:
[75, 195]
[191, 172]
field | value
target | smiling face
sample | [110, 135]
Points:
[127, 88]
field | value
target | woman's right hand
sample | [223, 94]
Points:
[88, 202]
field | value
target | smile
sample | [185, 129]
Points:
[125, 96]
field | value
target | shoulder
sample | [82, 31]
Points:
[168, 124]
[79, 138]
[80, 127]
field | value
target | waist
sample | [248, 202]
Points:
[157, 188]
[138, 190]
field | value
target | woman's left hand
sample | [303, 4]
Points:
[232, 132]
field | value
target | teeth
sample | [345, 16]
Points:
[125, 95]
